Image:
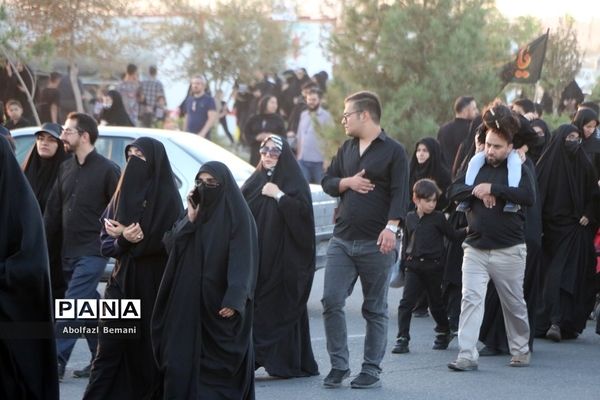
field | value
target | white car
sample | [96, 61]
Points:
[187, 152]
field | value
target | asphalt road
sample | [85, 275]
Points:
[566, 370]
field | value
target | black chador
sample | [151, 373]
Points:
[212, 265]
[27, 347]
[568, 191]
[146, 194]
[286, 237]
[116, 114]
[433, 168]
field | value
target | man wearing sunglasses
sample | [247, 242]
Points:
[83, 188]
[370, 175]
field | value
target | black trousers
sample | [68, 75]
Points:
[422, 275]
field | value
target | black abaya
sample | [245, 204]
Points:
[568, 191]
[286, 236]
[115, 115]
[28, 367]
[433, 168]
[212, 265]
[146, 194]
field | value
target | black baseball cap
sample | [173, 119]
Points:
[52, 129]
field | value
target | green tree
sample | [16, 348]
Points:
[563, 59]
[229, 42]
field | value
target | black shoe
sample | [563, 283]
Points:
[554, 333]
[420, 313]
[61, 370]
[365, 381]
[511, 207]
[335, 377]
[401, 346]
[463, 206]
[442, 340]
[83, 373]
[488, 352]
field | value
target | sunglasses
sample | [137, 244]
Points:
[211, 184]
[272, 151]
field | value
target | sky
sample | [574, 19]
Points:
[579, 9]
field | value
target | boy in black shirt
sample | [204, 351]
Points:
[423, 246]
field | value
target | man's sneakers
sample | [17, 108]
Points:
[83, 373]
[335, 377]
[462, 364]
[365, 381]
[442, 340]
[401, 346]
[521, 360]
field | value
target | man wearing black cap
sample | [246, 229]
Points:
[84, 186]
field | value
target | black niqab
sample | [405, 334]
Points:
[28, 366]
[212, 264]
[286, 237]
[116, 114]
[539, 145]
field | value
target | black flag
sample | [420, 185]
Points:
[527, 67]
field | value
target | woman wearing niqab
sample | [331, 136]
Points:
[279, 197]
[145, 205]
[568, 192]
[202, 320]
[28, 368]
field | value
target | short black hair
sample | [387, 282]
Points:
[86, 123]
[316, 91]
[366, 101]
[500, 119]
[425, 188]
[152, 70]
[14, 102]
[527, 105]
[461, 102]
[591, 105]
[131, 69]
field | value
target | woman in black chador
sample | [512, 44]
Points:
[266, 122]
[27, 365]
[202, 320]
[113, 112]
[568, 192]
[280, 200]
[427, 163]
[145, 205]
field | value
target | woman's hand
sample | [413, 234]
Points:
[271, 190]
[113, 228]
[226, 312]
[262, 136]
[133, 233]
[584, 221]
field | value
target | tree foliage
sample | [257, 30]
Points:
[229, 42]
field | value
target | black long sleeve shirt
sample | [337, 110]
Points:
[424, 237]
[492, 228]
[364, 216]
[77, 201]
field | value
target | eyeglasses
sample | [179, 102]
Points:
[272, 151]
[346, 115]
[210, 183]
[72, 131]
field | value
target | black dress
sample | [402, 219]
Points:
[568, 190]
[212, 264]
[146, 194]
[433, 168]
[28, 368]
[269, 123]
[286, 237]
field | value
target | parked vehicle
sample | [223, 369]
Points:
[187, 152]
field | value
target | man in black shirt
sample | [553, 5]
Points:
[50, 100]
[370, 175]
[83, 188]
[454, 132]
[495, 247]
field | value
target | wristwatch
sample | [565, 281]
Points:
[279, 195]
[393, 228]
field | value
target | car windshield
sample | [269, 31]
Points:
[204, 151]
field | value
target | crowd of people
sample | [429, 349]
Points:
[497, 219]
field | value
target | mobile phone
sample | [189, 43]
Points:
[106, 221]
[196, 198]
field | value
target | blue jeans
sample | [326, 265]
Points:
[82, 275]
[346, 262]
[312, 170]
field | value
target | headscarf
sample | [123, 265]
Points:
[539, 145]
[433, 168]
[42, 172]
[116, 114]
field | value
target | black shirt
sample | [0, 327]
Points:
[22, 123]
[78, 199]
[450, 136]
[49, 97]
[364, 216]
[492, 228]
[424, 236]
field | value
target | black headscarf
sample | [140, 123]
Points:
[28, 366]
[116, 114]
[591, 145]
[212, 264]
[433, 168]
[42, 172]
[539, 145]
[286, 236]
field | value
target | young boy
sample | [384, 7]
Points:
[422, 249]
[14, 111]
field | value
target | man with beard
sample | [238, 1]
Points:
[83, 188]
[312, 120]
[452, 133]
[200, 109]
[495, 247]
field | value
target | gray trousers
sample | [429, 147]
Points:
[347, 261]
[506, 268]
